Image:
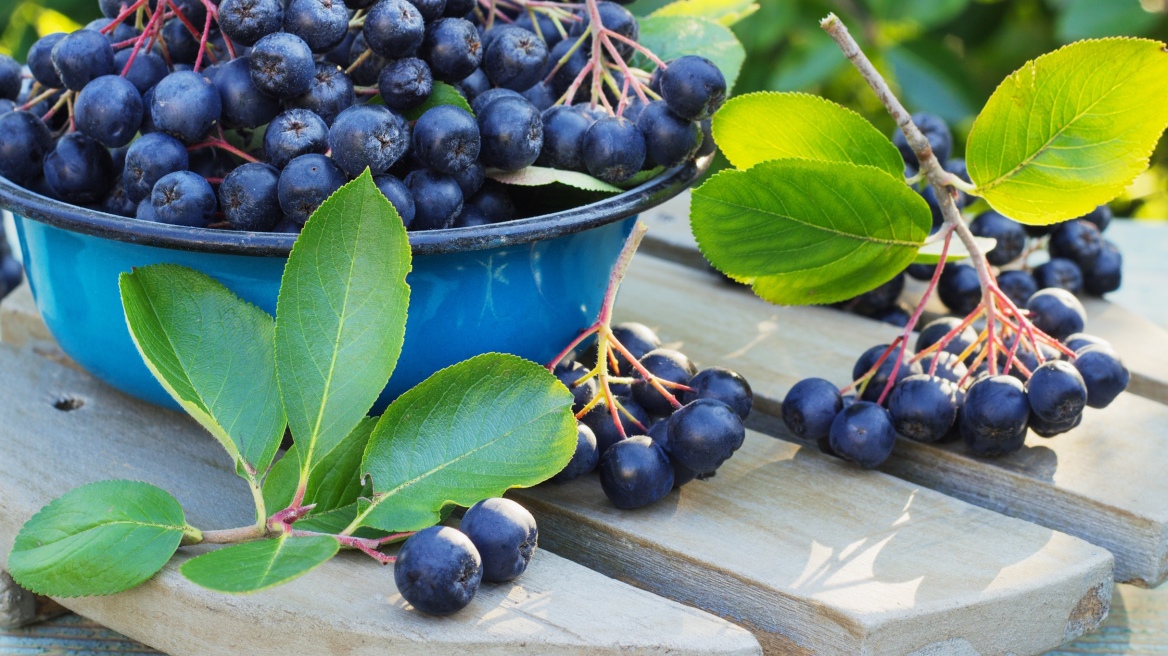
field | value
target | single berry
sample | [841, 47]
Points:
[394, 28]
[659, 433]
[81, 57]
[438, 570]
[24, 142]
[117, 202]
[147, 69]
[398, 194]
[862, 433]
[515, 58]
[994, 416]
[79, 170]
[1078, 241]
[635, 473]
[614, 149]
[486, 98]
[248, 21]
[669, 139]
[616, 18]
[693, 87]
[504, 534]
[446, 139]
[723, 385]
[810, 408]
[563, 138]
[149, 158]
[1057, 313]
[1100, 216]
[879, 380]
[569, 374]
[305, 183]
[330, 94]
[452, 48]
[405, 83]
[1018, 285]
[639, 339]
[183, 198]
[1056, 392]
[884, 297]
[1106, 273]
[704, 434]
[250, 198]
[921, 271]
[1044, 428]
[584, 459]
[1079, 341]
[471, 179]
[923, 407]
[599, 419]
[368, 136]
[282, 65]
[474, 85]
[959, 288]
[1010, 235]
[935, 130]
[244, 106]
[1059, 273]
[322, 24]
[40, 60]
[186, 106]
[294, 133]
[668, 365]
[1103, 373]
[493, 200]
[437, 200]
[512, 134]
[431, 10]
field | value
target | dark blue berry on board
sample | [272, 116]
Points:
[995, 415]
[810, 407]
[438, 570]
[1059, 273]
[659, 433]
[599, 419]
[1057, 313]
[584, 458]
[635, 473]
[1010, 235]
[1018, 285]
[1104, 374]
[879, 380]
[1105, 274]
[923, 407]
[705, 433]
[937, 329]
[862, 433]
[666, 364]
[505, 535]
[723, 385]
[1056, 392]
[1078, 241]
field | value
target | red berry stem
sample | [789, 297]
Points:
[222, 145]
[154, 24]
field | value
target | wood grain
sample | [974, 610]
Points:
[350, 605]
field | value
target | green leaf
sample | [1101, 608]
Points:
[335, 479]
[442, 94]
[335, 521]
[213, 353]
[341, 316]
[925, 13]
[470, 431]
[1070, 130]
[808, 232]
[254, 566]
[642, 177]
[538, 176]
[1085, 19]
[931, 253]
[670, 37]
[97, 539]
[763, 126]
[723, 12]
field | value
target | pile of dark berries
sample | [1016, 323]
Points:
[439, 569]
[663, 447]
[247, 114]
[1077, 257]
[936, 397]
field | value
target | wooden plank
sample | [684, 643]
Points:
[817, 557]
[349, 605]
[1102, 482]
[670, 238]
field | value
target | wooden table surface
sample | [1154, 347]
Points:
[1137, 624]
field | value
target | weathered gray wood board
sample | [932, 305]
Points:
[818, 557]
[1124, 326]
[1137, 625]
[349, 605]
[1103, 482]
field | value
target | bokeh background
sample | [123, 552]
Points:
[943, 56]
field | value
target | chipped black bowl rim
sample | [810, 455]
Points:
[670, 183]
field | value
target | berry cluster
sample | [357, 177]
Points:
[252, 112]
[439, 569]
[654, 421]
[947, 389]
[1080, 259]
[11, 273]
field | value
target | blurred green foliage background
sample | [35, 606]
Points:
[943, 56]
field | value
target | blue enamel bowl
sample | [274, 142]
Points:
[525, 287]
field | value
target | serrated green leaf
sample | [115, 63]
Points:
[335, 480]
[97, 539]
[470, 431]
[724, 12]
[670, 37]
[642, 177]
[757, 127]
[213, 353]
[254, 566]
[931, 253]
[538, 176]
[1070, 130]
[341, 316]
[808, 232]
[442, 94]
[337, 520]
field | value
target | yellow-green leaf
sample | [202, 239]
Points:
[725, 12]
[1070, 130]
[757, 127]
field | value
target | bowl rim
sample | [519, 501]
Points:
[31, 205]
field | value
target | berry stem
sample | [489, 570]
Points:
[121, 17]
[222, 145]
